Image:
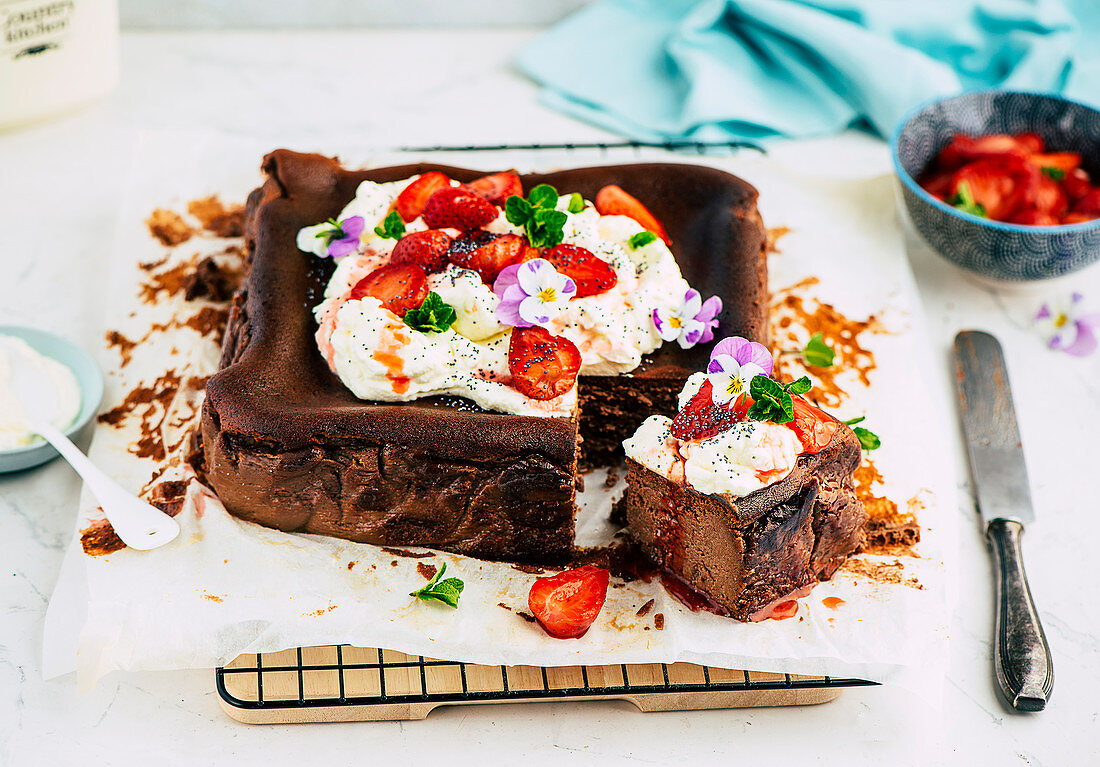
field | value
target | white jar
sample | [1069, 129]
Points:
[55, 56]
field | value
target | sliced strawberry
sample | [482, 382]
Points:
[1000, 185]
[701, 418]
[456, 208]
[591, 273]
[1051, 199]
[1030, 142]
[963, 149]
[1034, 217]
[399, 287]
[487, 252]
[1077, 184]
[568, 603]
[938, 184]
[1078, 218]
[613, 201]
[410, 203]
[542, 366]
[815, 428]
[497, 187]
[427, 249]
[1089, 204]
[1063, 161]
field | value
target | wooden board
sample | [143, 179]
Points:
[344, 683]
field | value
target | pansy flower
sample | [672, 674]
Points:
[342, 238]
[532, 293]
[733, 363]
[1067, 328]
[690, 323]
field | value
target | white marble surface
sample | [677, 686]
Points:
[60, 187]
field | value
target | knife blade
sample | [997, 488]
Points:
[1022, 663]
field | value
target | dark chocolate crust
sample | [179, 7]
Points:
[746, 553]
[289, 446]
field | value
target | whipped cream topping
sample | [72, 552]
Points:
[14, 427]
[612, 330]
[734, 463]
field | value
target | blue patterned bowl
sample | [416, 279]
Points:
[991, 248]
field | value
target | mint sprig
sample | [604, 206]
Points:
[964, 201]
[538, 216]
[576, 203]
[393, 226]
[772, 400]
[640, 240]
[817, 353]
[446, 591]
[1057, 174]
[433, 316]
[868, 440]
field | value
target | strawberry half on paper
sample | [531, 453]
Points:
[567, 604]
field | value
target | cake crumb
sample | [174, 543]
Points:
[659, 621]
[169, 227]
[209, 280]
[426, 569]
[100, 539]
[612, 477]
[527, 616]
[352, 564]
[216, 217]
[124, 345]
[393, 563]
[504, 606]
[644, 609]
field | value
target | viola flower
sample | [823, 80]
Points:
[532, 293]
[693, 322]
[1067, 328]
[341, 238]
[734, 362]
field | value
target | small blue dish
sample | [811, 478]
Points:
[991, 248]
[88, 377]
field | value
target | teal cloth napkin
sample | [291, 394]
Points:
[717, 70]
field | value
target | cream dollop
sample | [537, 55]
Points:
[14, 426]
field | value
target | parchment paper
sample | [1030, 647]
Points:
[227, 587]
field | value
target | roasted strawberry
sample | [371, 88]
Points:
[1077, 218]
[410, 203]
[1089, 204]
[487, 252]
[456, 208]
[613, 201]
[938, 184]
[1063, 161]
[1034, 217]
[815, 428]
[568, 603]
[591, 273]
[701, 418]
[399, 287]
[1051, 199]
[542, 366]
[427, 249]
[964, 149]
[1001, 185]
[1030, 142]
[497, 187]
[1077, 184]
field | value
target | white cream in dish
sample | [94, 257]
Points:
[612, 330]
[14, 428]
[736, 462]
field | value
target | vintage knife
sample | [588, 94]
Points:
[1021, 657]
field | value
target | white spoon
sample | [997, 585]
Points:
[139, 525]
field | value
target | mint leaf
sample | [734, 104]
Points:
[817, 353]
[964, 201]
[543, 196]
[433, 316]
[640, 240]
[771, 402]
[576, 203]
[393, 227]
[1056, 174]
[801, 386]
[537, 215]
[868, 440]
[854, 421]
[517, 210]
[445, 591]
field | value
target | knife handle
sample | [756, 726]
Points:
[1021, 657]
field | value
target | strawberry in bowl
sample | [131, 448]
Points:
[1003, 183]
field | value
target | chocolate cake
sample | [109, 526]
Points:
[748, 553]
[287, 445]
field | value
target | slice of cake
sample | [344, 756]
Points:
[413, 361]
[747, 493]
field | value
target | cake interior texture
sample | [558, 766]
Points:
[748, 553]
[288, 446]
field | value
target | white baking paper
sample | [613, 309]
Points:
[227, 587]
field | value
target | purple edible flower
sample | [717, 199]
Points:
[734, 362]
[691, 323]
[344, 238]
[1067, 328]
[532, 293]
